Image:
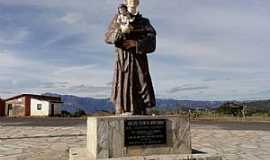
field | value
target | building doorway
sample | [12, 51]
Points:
[9, 110]
[52, 109]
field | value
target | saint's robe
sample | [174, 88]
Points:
[132, 89]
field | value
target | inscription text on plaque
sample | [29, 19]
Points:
[145, 132]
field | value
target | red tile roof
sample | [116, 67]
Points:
[40, 97]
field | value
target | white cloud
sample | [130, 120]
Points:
[84, 74]
[72, 18]
[219, 44]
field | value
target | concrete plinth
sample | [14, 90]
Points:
[107, 139]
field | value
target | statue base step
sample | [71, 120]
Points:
[83, 154]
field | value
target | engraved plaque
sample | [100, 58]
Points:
[145, 132]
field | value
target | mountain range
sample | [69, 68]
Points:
[91, 105]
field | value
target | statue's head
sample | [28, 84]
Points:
[132, 5]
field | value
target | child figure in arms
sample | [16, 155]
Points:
[124, 18]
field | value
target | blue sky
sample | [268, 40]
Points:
[206, 50]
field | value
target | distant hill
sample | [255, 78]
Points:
[90, 105]
[258, 106]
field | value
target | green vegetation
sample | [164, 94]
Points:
[65, 114]
[231, 110]
[78, 113]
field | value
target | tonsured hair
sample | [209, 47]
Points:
[126, 1]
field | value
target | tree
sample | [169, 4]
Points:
[233, 108]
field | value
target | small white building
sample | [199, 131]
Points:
[32, 105]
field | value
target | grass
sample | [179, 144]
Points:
[220, 117]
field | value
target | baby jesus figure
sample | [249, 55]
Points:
[124, 18]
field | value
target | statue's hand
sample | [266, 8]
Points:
[125, 29]
[128, 44]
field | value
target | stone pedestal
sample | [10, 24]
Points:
[138, 138]
[106, 137]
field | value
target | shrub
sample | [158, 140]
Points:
[79, 113]
[65, 113]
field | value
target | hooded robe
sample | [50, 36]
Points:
[132, 89]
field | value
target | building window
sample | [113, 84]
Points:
[39, 106]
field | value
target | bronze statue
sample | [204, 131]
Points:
[132, 89]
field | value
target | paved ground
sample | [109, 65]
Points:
[47, 138]
[40, 138]
[261, 126]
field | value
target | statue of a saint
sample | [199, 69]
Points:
[132, 89]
